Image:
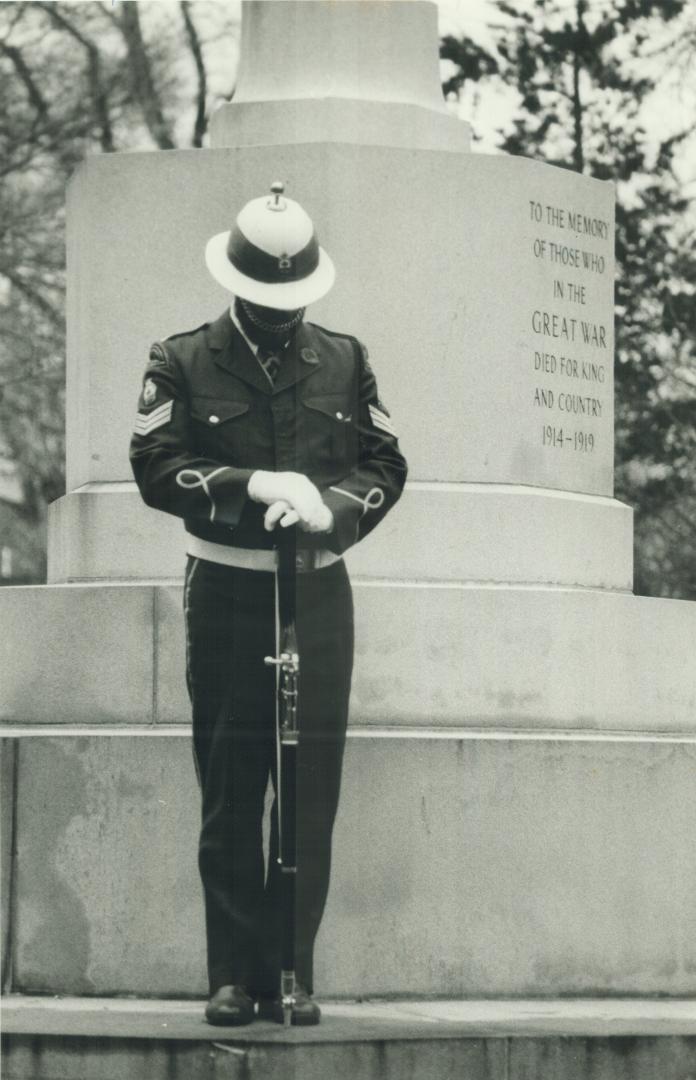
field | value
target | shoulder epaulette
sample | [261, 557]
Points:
[333, 333]
[158, 355]
[187, 333]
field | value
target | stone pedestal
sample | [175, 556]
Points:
[517, 810]
[345, 72]
[502, 394]
[494, 533]
[466, 865]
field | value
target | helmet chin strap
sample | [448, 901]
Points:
[275, 328]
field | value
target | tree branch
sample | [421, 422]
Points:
[200, 125]
[107, 12]
[141, 76]
[578, 155]
[34, 296]
[16, 17]
[35, 96]
[99, 95]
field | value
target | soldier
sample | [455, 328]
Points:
[247, 425]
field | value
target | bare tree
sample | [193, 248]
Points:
[75, 78]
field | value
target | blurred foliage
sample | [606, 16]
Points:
[585, 73]
[76, 78]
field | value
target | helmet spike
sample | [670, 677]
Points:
[277, 189]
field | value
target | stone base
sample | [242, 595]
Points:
[510, 825]
[446, 532]
[491, 1040]
[366, 123]
[465, 865]
[440, 654]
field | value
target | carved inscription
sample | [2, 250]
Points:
[572, 358]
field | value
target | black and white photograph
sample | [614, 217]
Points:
[348, 539]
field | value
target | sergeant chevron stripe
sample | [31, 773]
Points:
[147, 422]
[382, 421]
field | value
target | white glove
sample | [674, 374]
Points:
[297, 492]
[282, 512]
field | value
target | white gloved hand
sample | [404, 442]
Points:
[281, 512]
[300, 499]
[290, 487]
[321, 522]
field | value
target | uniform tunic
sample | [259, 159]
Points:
[208, 417]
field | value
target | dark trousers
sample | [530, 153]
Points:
[230, 628]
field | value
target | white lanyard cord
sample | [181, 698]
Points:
[190, 479]
[372, 501]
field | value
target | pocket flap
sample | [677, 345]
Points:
[212, 411]
[331, 405]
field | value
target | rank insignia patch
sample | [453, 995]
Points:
[145, 423]
[149, 392]
[382, 421]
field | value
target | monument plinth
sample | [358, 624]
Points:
[341, 72]
[462, 291]
[517, 714]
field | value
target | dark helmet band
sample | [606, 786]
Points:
[255, 263]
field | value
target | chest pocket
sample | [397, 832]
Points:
[329, 435]
[221, 425]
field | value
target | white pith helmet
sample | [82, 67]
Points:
[271, 255]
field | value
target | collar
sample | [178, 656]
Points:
[252, 344]
[234, 352]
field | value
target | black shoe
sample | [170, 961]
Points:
[230, 1006]
[305, 1012]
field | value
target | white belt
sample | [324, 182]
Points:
[255, 558]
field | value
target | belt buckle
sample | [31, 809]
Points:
[304, 561]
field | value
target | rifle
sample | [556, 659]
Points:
[287, 665]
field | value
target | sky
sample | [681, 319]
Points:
[472, 17]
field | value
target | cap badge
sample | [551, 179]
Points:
[285, 263]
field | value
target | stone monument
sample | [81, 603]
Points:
[518, 806]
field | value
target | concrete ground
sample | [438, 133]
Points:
[354, 1021]
[58, 1038]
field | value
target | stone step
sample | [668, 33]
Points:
[533, 1039]
[483, 865]
[437, 654]
[540, 537]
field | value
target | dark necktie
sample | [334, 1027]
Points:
[270, 363]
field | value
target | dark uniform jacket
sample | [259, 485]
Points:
[208, 417]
